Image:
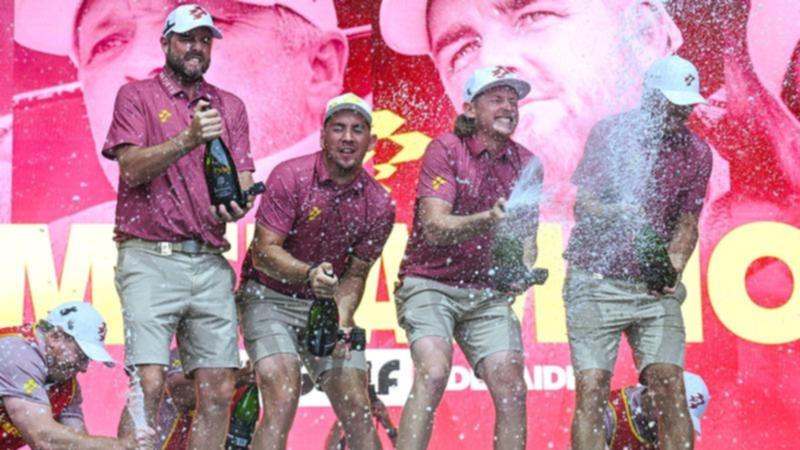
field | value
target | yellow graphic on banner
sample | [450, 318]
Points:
[164, 115]
[30, 386]
[438, 182]
[412, 144]
[314, 213]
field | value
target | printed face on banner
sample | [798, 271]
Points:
[580, 58]
[118, 42]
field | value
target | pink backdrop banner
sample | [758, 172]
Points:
[64, 60]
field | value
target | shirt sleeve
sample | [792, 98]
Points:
[437, 177]
[75, 408]
[370, 247]
[128, 122]
[23, 371]
[696, 191]
[278, 207]
[535, 172]
[240, 137]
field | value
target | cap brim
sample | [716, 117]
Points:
[96, 353]
[683, 97]
[696, 424]
[403, 26]
[521, 87]
[214, 30]
[349, 107]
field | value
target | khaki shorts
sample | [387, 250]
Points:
[187, 295]
[600, 309]
[271, 322]
[480, 320]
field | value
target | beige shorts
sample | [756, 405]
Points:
[271, 322]
[481, 321]
[187, 295]
[600, 309]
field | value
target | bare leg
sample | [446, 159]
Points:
[152, 380]
[665, 386]
[347, 390]
[432, 360]
[504, 376]
[591, 395]
[214, 389]
[279, 382]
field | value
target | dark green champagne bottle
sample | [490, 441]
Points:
[243, 420]
[322, 328]
[654, 263]
[508, 266]
[221, 175]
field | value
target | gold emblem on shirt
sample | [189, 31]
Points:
[30, 386]
[438, 182]
[314, 213]
[164, 115]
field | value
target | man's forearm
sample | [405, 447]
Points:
[139, 165]
[348, 297]
[452, 229]
[683, 242]
[57, 437]
[279, 264]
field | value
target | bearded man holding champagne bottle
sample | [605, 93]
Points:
[171, 275]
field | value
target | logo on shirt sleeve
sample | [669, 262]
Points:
[438, 182]
[314, 213]
[30, 386]
[164, 115]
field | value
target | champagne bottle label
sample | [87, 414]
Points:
[221, 175]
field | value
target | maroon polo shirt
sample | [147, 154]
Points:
[471, 178]
[322, 221]
[626, 162]
[173, 206]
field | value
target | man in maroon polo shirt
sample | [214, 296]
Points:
[641, 187]
[447, 289]
[317, 234]
[170, 275]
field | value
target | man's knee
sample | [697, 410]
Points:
[433, 377]
[592, 389]
[279, 377]
[151, 379]
[215, 388]
[504, 373]
[663, 380]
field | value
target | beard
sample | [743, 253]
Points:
[179, 66]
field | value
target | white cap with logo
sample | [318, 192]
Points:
[351, 102]
[676, 78]
[486, 78]
[697, 397]
[188, 17]
[81, 321]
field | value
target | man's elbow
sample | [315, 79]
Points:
[434, 235]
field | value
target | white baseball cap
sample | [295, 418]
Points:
[188, 17]
[486, 78]
[350, 102]
[697, 397]
[49, 25]
[81, 321]
[676, 78]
